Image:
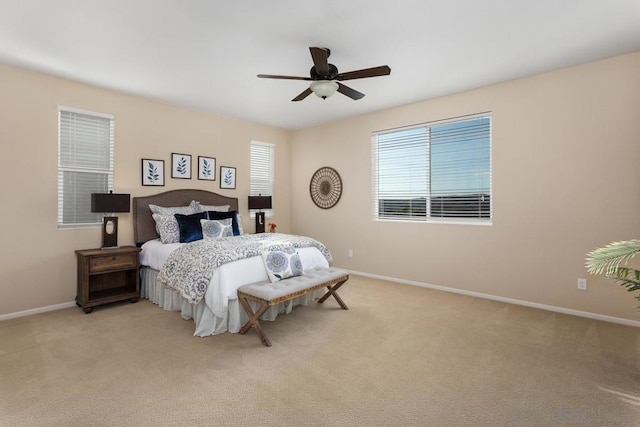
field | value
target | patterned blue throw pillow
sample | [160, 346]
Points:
[282, 264]
[167, 228]
[224, 215]
[215, 228]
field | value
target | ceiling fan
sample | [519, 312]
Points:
[325, 78]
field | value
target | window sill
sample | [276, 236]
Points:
[444, 221]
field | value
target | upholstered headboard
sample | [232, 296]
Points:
[144, 227]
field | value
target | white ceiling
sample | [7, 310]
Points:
[205, 54]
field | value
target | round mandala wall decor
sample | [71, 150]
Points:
[325, 187]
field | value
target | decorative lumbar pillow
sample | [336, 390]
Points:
[224, 215]
[183, 210]
[189, 226]
[167, 228]
[215, 228]
[204, 208]
[239, 221]
[282, 264]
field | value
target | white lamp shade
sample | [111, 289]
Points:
[324, 88]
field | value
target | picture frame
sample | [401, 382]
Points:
[207, 168]
[227, 177]
[180, 166]
[153, 172]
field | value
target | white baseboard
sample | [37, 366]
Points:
[37, 310]
[562, 310]
[556, 309]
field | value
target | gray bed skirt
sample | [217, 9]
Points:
[206, 322]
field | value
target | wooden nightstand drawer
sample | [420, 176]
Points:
[112, 262]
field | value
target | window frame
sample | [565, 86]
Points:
[94, 219]
[259, 188]
[428, 193]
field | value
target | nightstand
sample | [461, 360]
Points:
[107, 275]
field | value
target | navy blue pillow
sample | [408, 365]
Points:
[189, 226]
[224, 215]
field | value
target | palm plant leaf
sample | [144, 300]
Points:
[606, 260]
[630, 285]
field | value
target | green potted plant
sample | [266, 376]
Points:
[611, 261]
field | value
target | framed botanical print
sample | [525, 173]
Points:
[207, 168]
[152, 172]
[181, 166]
[227, 177]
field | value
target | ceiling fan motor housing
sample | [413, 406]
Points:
[331, 75]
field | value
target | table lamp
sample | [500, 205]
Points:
[110, 203]
[259, 202]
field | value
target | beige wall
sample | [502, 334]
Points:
[566, 149]
[38, 265]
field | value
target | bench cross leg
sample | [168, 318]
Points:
[253, 321]
[332, 291]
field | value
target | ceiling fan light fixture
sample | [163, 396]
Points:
[324, 88]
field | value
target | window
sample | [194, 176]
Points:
[262, 156]
[85, 163]
[434, 171]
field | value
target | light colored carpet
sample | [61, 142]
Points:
[428, 359]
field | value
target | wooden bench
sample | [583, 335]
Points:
[268, 294]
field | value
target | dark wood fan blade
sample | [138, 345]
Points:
[320, 55]
[383, 70]
[351, 93]
[272, 76]
[303, 95]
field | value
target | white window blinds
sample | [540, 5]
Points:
[85, 163]
[262, 166]
[436, 170]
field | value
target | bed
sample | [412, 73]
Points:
[218, 310]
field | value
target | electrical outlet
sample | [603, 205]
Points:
[350, 253]
[582, 284]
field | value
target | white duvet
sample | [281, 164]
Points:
[222, 290]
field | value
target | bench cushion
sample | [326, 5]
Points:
[268, 291]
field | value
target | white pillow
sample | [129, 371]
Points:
[216, 228]
[282, 264]
[185, 210]
[204, 208]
